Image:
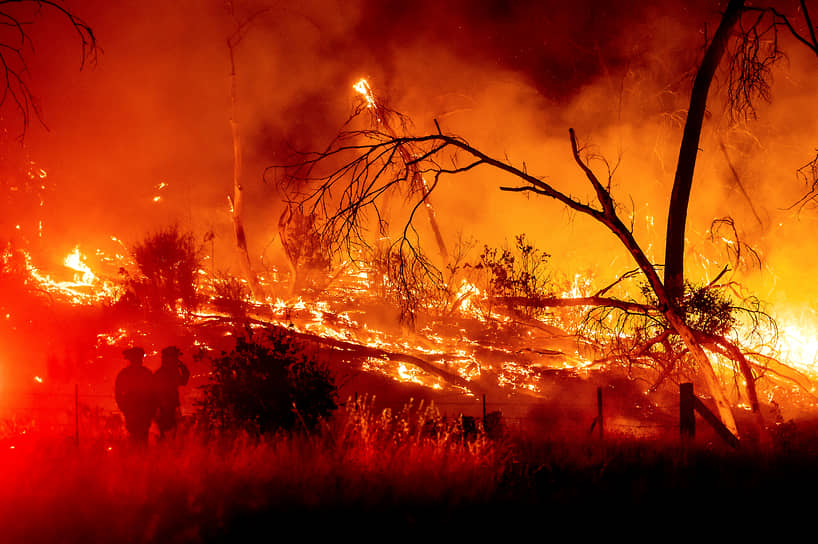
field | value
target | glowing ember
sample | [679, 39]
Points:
[74, 261]
[362, 87]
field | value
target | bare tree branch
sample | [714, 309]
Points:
[13, 65]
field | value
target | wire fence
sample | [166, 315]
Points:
[81, 413]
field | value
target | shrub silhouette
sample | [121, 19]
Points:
[231, 295]
[168, 263]
[267, 384]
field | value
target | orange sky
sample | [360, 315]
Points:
[511, 77]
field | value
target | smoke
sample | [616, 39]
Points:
[510, 77]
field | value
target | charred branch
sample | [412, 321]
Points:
[749, 68]
[17, 15]
[809, 175]
[689, 149]
[375, 168]
[738, 252]
[805, 36]
[593, 301]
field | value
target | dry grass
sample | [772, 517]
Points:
[201, 489]
[370, 473]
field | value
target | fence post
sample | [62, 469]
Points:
[598, 420]
[77, 414]
[687, 415]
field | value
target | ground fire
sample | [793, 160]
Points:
[592, 219]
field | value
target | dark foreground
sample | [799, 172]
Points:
[370, 480]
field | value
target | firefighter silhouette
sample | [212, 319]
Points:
[168, 378]
[135, 397]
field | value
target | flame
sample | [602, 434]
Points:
[363, 88]
[85, 287]
[454, 351]
[451, 353]
[74, 261]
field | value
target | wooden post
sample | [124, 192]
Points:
[77, 414]
[715, 422]
[598, 420]
[484, 410]
[687, 414]
[689, 404]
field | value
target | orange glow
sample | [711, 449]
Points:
[363, 88]
[74, 261]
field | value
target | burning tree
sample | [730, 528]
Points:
[675, 324]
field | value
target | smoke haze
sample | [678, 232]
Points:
[510, 77]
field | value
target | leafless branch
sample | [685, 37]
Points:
[750, 63]
[808, 173]
[738, 252]
[17, 15]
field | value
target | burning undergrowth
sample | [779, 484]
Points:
[475, 339]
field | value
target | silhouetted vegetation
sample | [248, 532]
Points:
[267, 383]
[231, 295]
[168, 263]
[410, 469]
[518, 272]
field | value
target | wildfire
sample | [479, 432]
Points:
[452, 352]
[363, 88]
[85, 287]
[446, 354]
[74, 261]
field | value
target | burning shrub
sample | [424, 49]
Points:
[641, 335]
[704, 308]
[516, 274]
[267, 384]
[405, 278]
[168, 263]
[708, 310]
[231, 295]
[12, 265]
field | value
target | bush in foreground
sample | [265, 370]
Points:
[267, 383]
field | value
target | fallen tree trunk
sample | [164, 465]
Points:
[360, 351]
[594, 301]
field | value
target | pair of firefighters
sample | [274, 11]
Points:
[143, 396]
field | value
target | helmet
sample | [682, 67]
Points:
[171, 352]
[134, 354]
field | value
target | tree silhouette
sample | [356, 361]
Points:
[347, 183]
[756, 48]
[268, 382]
[15, 44]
